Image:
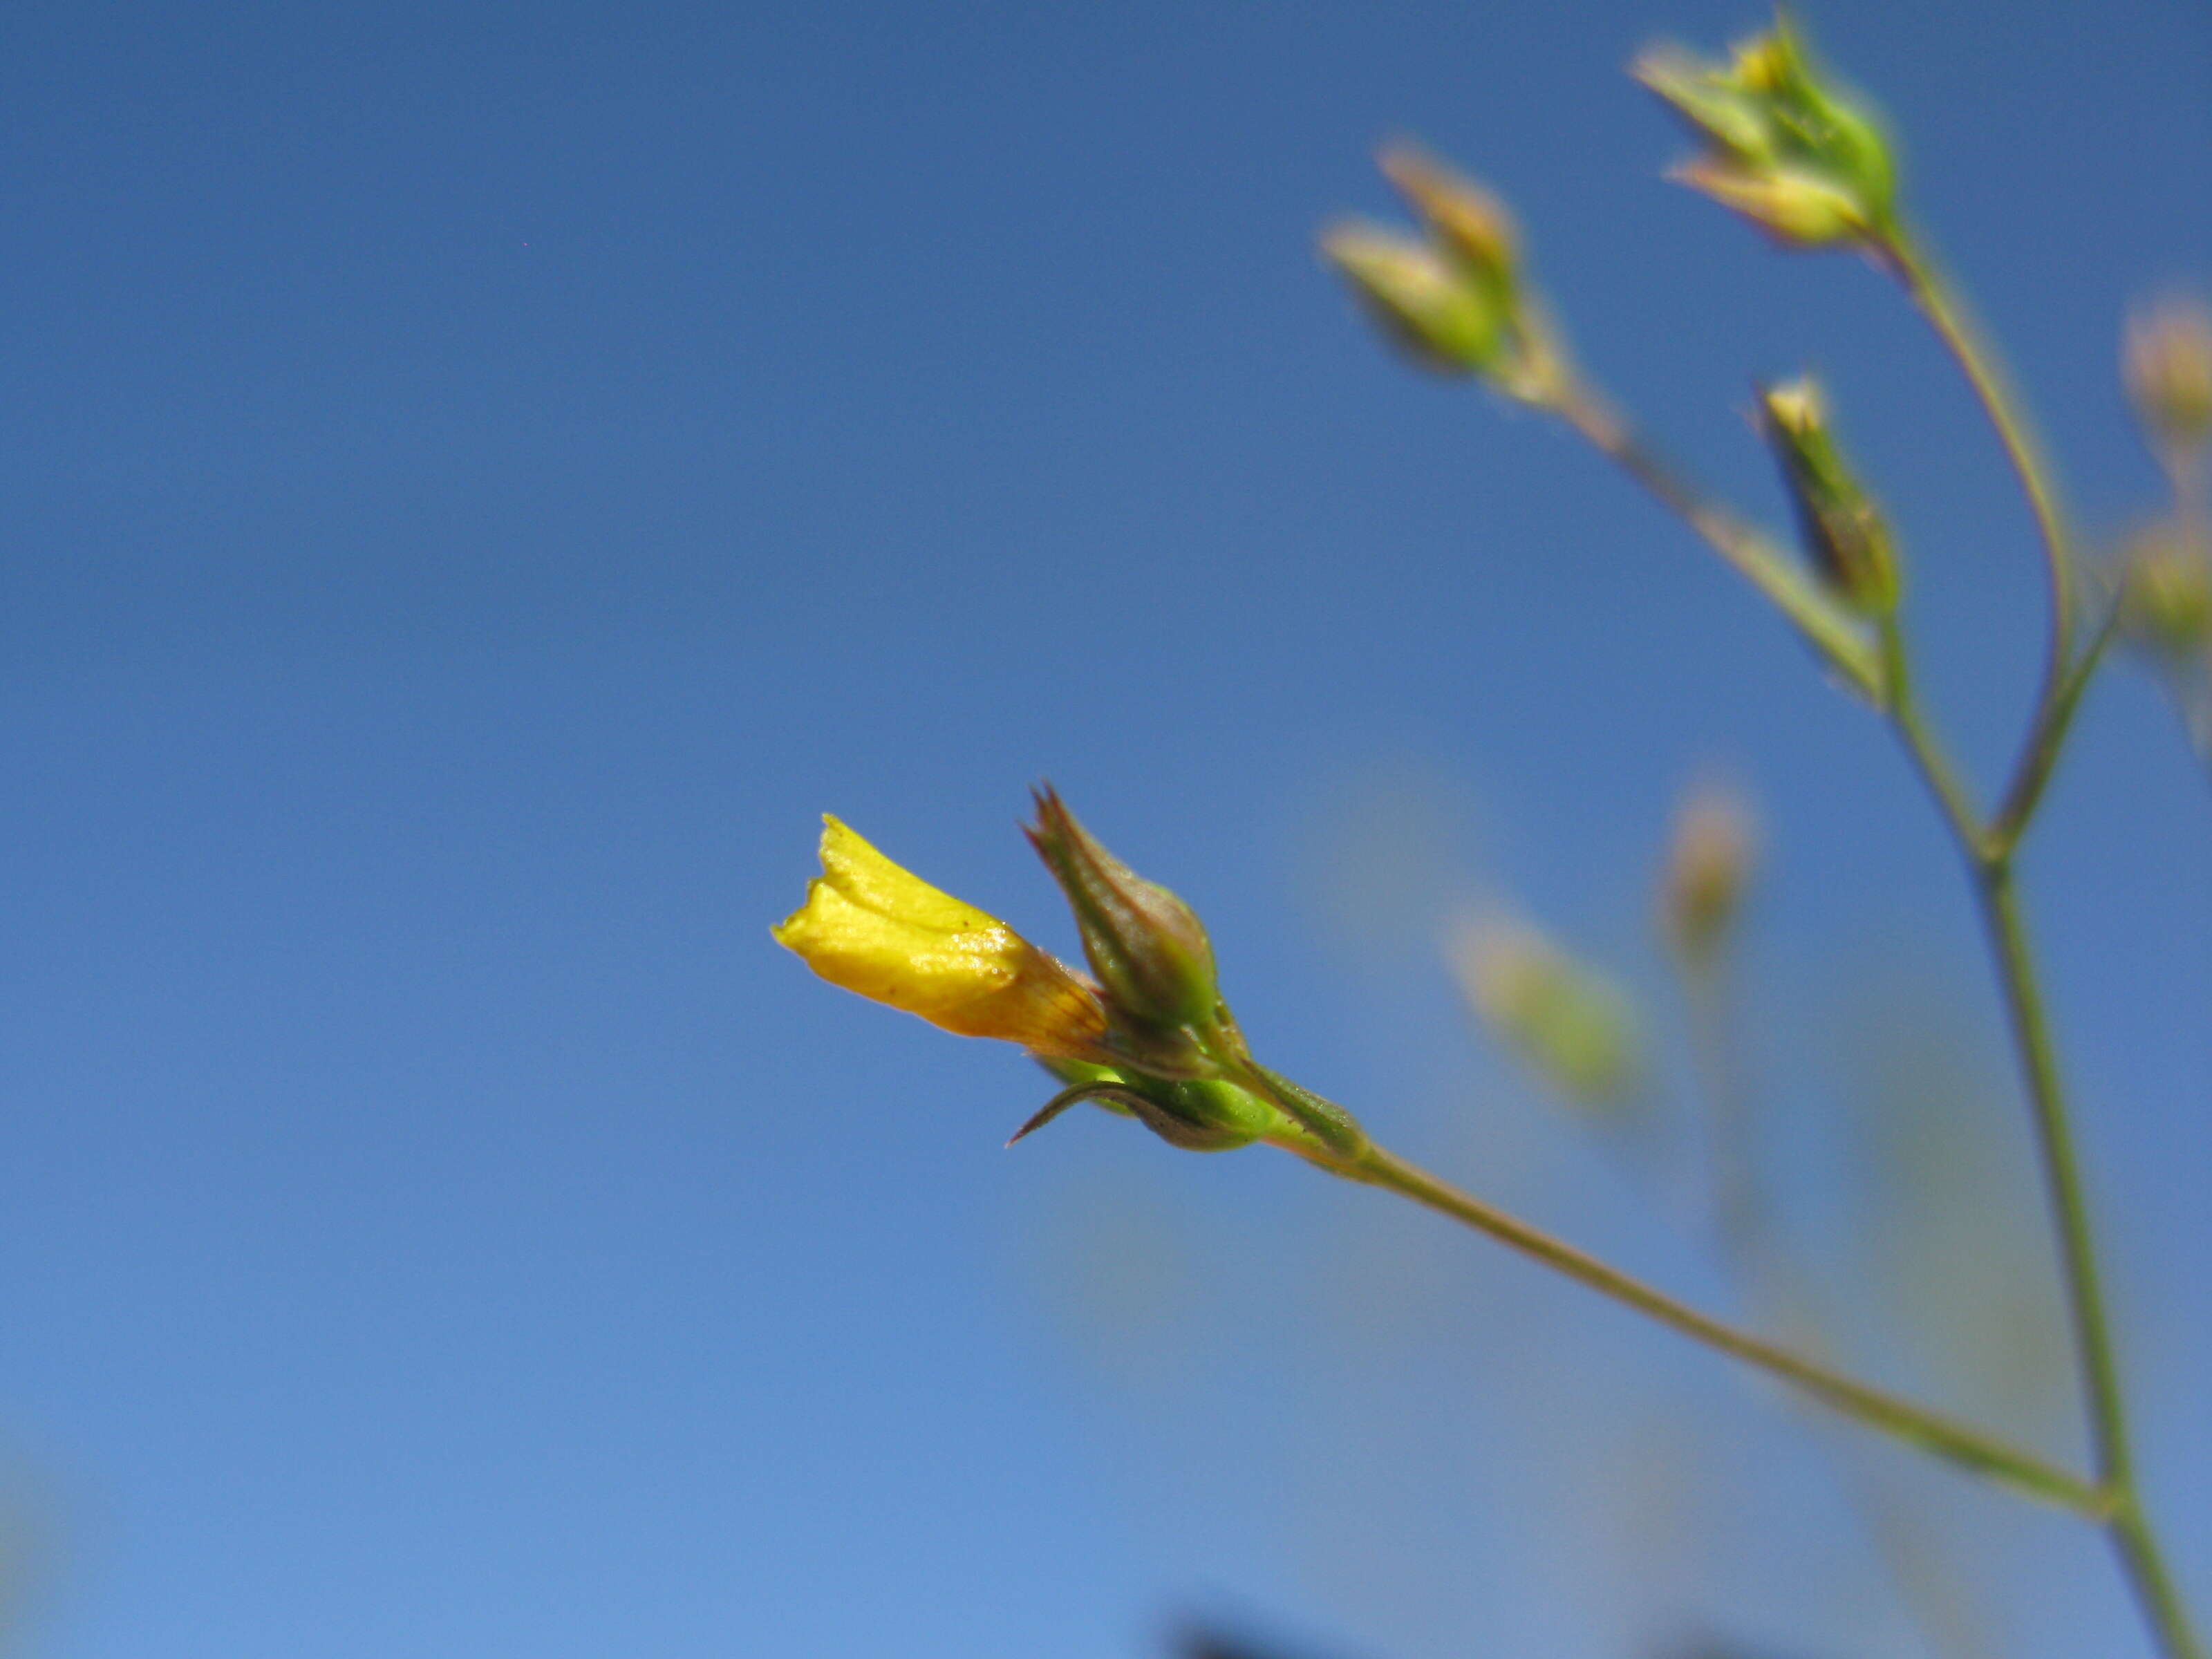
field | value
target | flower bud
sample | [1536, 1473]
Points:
[2165, 595]
[1431, 307]
[1574, 1027]
[1795, 207]
[1843, 531]
[1716, 108]
[1465, 220]
[2166, 364]
[1710, 864]
[1147, 947]
[1786, 146]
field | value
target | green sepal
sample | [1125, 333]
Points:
[1199, 1115]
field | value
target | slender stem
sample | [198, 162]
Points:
[1923, 747]
[2140, 1557]
[2047, 737]
[1831, 630]
[1989, 851]
[1988, 855]
[2070, 1206]
[2146, 1569]
[1946, 310]
[1879, 669]
[1960, 1443]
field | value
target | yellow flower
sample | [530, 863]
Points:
[882, 930]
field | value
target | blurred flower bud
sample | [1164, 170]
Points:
[1843, 531]
[1465, 220]
[880, 929]
[1460, 302]
[2167, 365]
[1147, 947]
[2166, 594]
[1709, 864]
[1795, 207]
[1574, 1027]
[1427, 304]
[1786, 148]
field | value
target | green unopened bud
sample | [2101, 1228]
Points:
[2166, 364]
[1425, 302]
[1818, 121]
[1787, 147]
[1710, 864]
[1147, 947]
[1716, 109]
[1796, 207]
[2166, 597]
[1843, 531]
[1573, 1026]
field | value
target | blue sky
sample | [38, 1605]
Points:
[482, 479]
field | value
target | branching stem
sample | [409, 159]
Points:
[1881, 669]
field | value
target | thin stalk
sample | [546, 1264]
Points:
[1946, 310]
[1947, 313]
[1922, 746]
[1879, 669]
[2047, 738]
[1988, 855]
[1988, 850]
[1831, 630]
[2140, 1557]
[1917, 1426]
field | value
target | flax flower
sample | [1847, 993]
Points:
[880, 930]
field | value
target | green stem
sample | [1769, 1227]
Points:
[2138, 1550]
[1960, 1443]
[1831, 630]
[2046, 737]
[1947, 313]
[1922, 746]
[1879, 669]
[1988, 853]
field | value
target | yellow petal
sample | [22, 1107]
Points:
[874, 883]
[875, 928]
